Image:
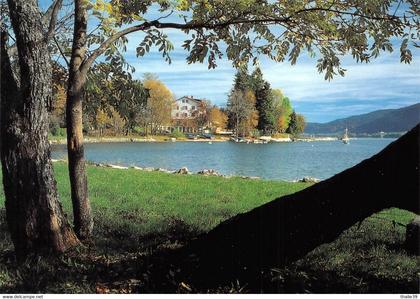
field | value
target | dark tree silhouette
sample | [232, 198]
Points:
[289, 227]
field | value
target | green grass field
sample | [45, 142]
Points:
[139, 214]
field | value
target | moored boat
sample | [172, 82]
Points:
[346, 139]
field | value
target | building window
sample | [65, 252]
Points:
[193, 107]
[183, 101]
[177, 115]
[185, 115]
[177, 107]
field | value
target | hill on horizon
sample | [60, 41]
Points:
[387, 120]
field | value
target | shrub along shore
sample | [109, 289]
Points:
[141, 215]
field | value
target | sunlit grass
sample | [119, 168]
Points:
[144, 202]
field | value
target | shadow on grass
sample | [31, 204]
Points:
[365, 259]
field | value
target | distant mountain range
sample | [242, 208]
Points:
[389, 120]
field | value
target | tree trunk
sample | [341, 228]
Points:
[237, 127]
[35, 217]
[83, 221]
[288, 228]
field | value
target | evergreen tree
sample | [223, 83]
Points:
[243, 80]
[297, 124]
[292, 124]
[257, 83]
[242, 83]
[272, 108]
[264, 102]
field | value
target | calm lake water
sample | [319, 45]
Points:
[278, 161]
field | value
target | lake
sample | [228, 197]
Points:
[278, 161]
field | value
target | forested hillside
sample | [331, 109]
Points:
[389, 120]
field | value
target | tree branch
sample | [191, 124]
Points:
[46, 17]
[146, 25]
[63, 21]
[61, 51]
[51, 15]
[96, 28]
[56, 6]
[166, 16]
[200, 25]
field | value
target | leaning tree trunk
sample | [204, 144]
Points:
[288, 228]
[83, 221]
[35, 217]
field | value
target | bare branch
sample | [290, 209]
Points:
[56, 6]
[51, 15]
[61, 51]
[64, 21]
[166, 16]
[94, 29]
[46, 17]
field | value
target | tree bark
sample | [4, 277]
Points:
[287, 228]
[35, 217]
[83, 220]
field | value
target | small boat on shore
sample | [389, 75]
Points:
[237, 139]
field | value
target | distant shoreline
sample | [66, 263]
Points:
[133, 140]
[165, 140]
[222, 139]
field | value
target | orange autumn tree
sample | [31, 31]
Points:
[218, 119]
[159, 103]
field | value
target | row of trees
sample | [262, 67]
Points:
[253, 106]
[115, 103]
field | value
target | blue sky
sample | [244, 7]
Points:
[384, 83]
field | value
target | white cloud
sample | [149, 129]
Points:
[383, 83]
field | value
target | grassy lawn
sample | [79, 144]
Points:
[139, 214]
[143, 203]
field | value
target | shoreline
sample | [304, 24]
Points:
[169, 140]
[134, 140]
[185, 171]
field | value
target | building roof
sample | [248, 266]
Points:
[189, 98]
